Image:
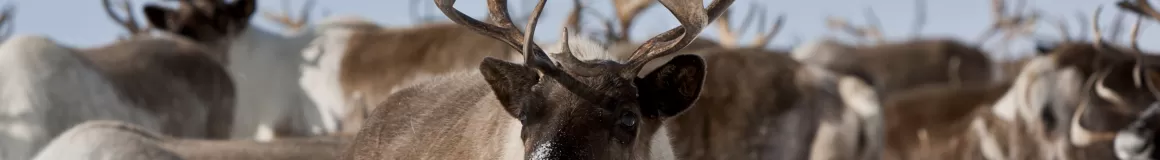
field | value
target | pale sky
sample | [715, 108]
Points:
[83, 23]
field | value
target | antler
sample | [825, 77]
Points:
[874, 26]
[129, 22]
[693, 19]
[1140, 7]
[729, 37]
[1064, 32]
[284, 17]
[1014, 23]
[764, 39]
[626, 11]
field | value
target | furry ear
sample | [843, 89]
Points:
[159, 16]
[512, 83]
[672, 87]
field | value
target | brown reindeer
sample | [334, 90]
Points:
[1068, 104]
[180, 79]
[898, 66]
[570, 109]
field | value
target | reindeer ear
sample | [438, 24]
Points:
[159, 16]
[512, 83]
[672, 87]
[243, 9]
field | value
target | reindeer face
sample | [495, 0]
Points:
[206, 21]
[618, 123]
[592, 109]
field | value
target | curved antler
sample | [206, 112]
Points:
[693, 19]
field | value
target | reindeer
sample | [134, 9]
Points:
[899, 66]
[476, 113]
[176, 85]
[1067, 104]
[113, 140]
[377, 61]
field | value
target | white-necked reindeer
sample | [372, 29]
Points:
[175, 85]
[572, 109]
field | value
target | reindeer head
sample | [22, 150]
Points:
[212, 22]
[596, 109]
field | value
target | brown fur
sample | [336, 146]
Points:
[749, 98]
[378, 61]
[894, 67]
[900, 66]
[916, 129]
[172, 79]
[452, 117]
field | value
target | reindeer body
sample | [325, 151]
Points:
[764, 105]
[900, 66]
[113, 140]
[48, 89]
[450, 117]
[172, 79]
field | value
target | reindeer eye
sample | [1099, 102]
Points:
[627, 120]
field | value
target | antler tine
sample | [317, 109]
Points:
[998, 10]
[693, 19]
[627, 10]
[128, 22]
[1140, 7]
[503, 29]
[919, 17]
[1135, 34]
[1117, 26]
[728, 38]
[764, 40]
[744, 26]
[1083, 27]
[1095, 25]
[1064, 31]
[874, 29]
[304, 13]
[573, 19]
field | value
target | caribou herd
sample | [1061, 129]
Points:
[197, 81]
